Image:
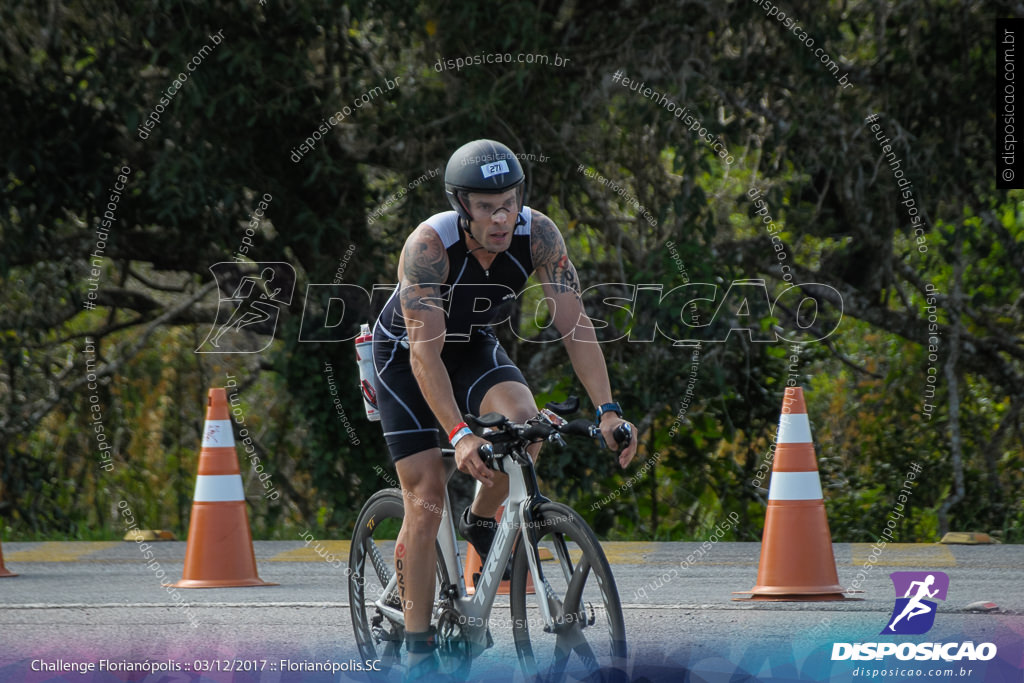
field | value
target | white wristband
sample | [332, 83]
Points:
[465, 431]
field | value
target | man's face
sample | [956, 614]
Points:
[494, 218]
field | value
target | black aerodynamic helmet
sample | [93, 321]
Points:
[482, 166]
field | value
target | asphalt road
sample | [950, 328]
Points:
[84, 602]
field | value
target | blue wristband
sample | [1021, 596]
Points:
[608, 408]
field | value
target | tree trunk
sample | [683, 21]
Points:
[955, 443]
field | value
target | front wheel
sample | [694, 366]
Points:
[587, 639]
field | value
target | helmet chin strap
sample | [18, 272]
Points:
[469, 233]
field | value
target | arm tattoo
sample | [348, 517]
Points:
[418, 297]
[565, 278]
[546, 243]
[550, 257]
[424, 270]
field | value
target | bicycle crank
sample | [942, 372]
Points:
[457, 642]
[382, 634]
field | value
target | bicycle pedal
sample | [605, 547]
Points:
[380, 633]
[383, 635]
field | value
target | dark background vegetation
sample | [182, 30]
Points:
[77, 78]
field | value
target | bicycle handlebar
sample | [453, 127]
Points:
[497, 428]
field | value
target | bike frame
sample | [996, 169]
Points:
[523, 495]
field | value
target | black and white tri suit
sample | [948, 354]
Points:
[474, 299]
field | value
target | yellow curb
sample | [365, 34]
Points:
[308, 553]
[628, 552]
[966, 538]
[61, 551]
[904, 555]
[149, 535]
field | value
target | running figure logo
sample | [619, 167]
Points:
[914, 613]
[254, 306]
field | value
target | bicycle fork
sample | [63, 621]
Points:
[569, 614]
[531, 537]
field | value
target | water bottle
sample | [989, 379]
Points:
[367, 373]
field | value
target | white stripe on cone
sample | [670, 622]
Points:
[218, 488]
[217, 434]
[795, 486]
[794, 428]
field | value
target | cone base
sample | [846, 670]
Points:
[796, 553]
[823, 597]
[219, 553]
[796, 594]
[797, 590]
[3, 569]
[220, 583]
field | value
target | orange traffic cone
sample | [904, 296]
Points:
[797, 563]
[219, 553]
[3, 570]
[474, 565]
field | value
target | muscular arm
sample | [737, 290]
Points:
[561, 285]
[423, 268]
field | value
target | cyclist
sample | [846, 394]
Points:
[437, 357]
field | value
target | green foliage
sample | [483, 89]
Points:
[80, 81]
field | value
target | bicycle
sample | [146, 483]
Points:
[565, 597]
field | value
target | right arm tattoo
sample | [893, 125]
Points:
[424, 270]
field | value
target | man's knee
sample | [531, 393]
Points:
[521, 411]
[423, 485]
[424, 504]
[524, 412]
[511, 399]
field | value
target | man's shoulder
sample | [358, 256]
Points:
[547, 245]
[438, 231]
[445, 225]
[539, 222]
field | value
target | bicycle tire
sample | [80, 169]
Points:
[382, 506]
[581, 575]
